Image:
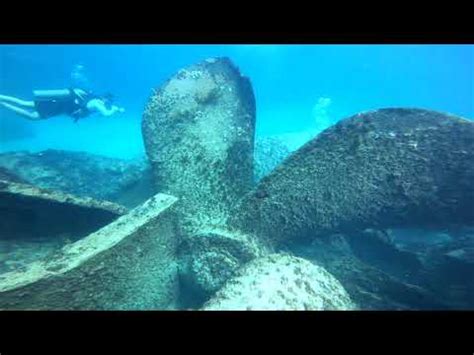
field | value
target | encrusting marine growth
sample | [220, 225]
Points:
[222, 233]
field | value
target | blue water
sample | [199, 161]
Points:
[300, 90]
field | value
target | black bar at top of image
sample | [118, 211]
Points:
[237, 37]
[237, 22]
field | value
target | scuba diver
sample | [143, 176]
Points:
[76, 103]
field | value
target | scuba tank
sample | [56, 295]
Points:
[51, 94]
[75, 99]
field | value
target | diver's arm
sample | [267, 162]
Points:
[99, 106]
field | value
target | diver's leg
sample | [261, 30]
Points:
[14, 100]
[31, 115]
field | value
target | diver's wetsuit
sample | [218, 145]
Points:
[72, 104]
